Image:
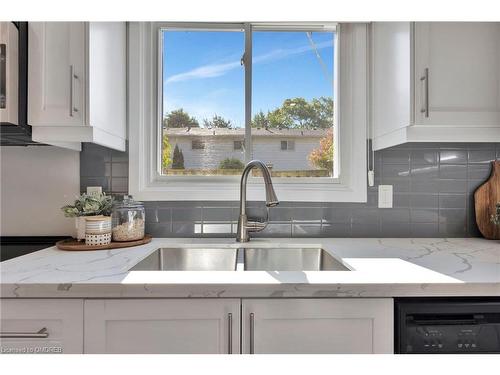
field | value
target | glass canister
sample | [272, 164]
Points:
[128, 220]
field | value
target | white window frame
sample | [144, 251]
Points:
[145, 115]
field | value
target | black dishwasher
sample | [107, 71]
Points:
[447, 325]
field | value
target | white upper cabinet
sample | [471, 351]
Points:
[77, 83]
[435, 82]
[56, 73]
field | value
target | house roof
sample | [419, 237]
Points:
[240, 132]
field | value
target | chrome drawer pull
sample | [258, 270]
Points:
[42, 334]
[230, 333]
[252, 329]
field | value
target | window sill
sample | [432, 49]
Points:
[230, 191]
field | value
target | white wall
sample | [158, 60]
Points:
[269, 151]
[36, 182]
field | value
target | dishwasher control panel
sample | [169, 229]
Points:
[447, 327]
[450, 338]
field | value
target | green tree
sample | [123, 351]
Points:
[298, 113]
[278, 119]
[322, 157]
[179, 119]
[217, 122]
[178, 158]
[231, 163]
[166, 151]
[260, 120]
[323, 112]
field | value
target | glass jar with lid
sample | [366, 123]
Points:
[128, 220]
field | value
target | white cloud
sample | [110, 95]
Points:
[217, 70]
[205, 71]
[279, 54]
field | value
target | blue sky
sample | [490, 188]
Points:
[203, 75]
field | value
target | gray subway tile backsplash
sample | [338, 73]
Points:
[452, 200]
[453, 157]
[424, 157]
[452, 186]
[433, 197]
[424, 215]
[478, 171]
[453, 171]
[481, 156]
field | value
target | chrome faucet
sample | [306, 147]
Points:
[244, 225]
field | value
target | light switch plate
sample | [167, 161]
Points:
[94, 190]
[385, 196]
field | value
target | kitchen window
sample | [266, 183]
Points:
[224, 94]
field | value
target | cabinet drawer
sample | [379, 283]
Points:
[41, 326]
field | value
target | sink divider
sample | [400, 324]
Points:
[240, 260]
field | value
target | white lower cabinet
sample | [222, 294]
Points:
[41, 326]
[303, 326]
[197, 326]
[183, 326]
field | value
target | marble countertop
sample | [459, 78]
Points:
[381, 267]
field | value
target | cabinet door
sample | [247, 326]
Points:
[463, 64]
[170, 326]
[41, 326]
[321, 326]
[56, 73]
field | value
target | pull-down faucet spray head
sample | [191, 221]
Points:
[245, 226]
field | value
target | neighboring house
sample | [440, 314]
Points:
[284, 150]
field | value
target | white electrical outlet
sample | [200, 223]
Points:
[94, 190]
[385, 196]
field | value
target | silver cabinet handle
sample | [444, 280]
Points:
[42, 334]
[72, 77]
[230, 333]
[71, 74]
[252, 330]
[425, 79]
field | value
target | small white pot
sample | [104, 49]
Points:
[80, 227]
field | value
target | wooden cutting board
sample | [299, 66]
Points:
[74, 245]
[486, 197]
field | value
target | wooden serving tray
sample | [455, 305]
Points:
[74, 245]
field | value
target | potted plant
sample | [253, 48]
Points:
[495, 218]
[88, 205]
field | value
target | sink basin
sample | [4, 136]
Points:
[291, 259]
[189, 259]
[249, 259]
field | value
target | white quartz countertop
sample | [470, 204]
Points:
[381, 267]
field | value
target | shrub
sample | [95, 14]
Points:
[231, 163]
[322, 157]
[177, 158]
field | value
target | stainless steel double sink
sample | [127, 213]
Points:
[247, 259]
